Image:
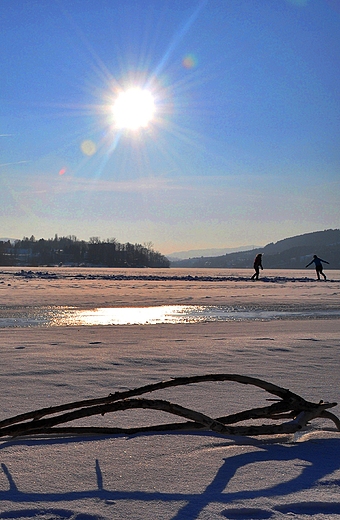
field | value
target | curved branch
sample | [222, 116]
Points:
[178, 381]
[165, 406]
[290, 406]
[332, 417]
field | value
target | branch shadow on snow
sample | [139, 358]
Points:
[318, 459]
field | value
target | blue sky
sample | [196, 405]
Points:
[244, 144]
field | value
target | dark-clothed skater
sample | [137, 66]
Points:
[318, 266]
[257, 266]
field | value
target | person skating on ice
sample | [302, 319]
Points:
[257, 266]
[318, 266]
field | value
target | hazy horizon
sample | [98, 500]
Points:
[183, 254]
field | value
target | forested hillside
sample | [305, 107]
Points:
[290, 253]
[71, 251]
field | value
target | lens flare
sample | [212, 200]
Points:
[88, 147]
[189, 61]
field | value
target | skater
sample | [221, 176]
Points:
[257, 266]
[318, 266]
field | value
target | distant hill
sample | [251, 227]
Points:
[290, 253]
[194, 253]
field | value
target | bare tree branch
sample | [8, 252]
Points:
[290, 406]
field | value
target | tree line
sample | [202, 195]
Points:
[70, 250]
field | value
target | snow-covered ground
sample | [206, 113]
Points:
[160, 476]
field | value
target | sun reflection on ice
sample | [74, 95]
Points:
[127, 316]
[62, 316]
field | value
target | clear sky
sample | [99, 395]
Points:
[243, 146]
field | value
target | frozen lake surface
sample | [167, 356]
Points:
[57, 316]
[279, 329]
[57, 297]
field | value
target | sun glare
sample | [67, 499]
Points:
[133, 109]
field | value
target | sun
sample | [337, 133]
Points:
[133, 109]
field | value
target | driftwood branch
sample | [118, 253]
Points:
[287, 405]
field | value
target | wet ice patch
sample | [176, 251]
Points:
[58, 316]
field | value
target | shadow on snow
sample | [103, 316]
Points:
[321, 459]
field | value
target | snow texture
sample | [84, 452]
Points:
[162, 476]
